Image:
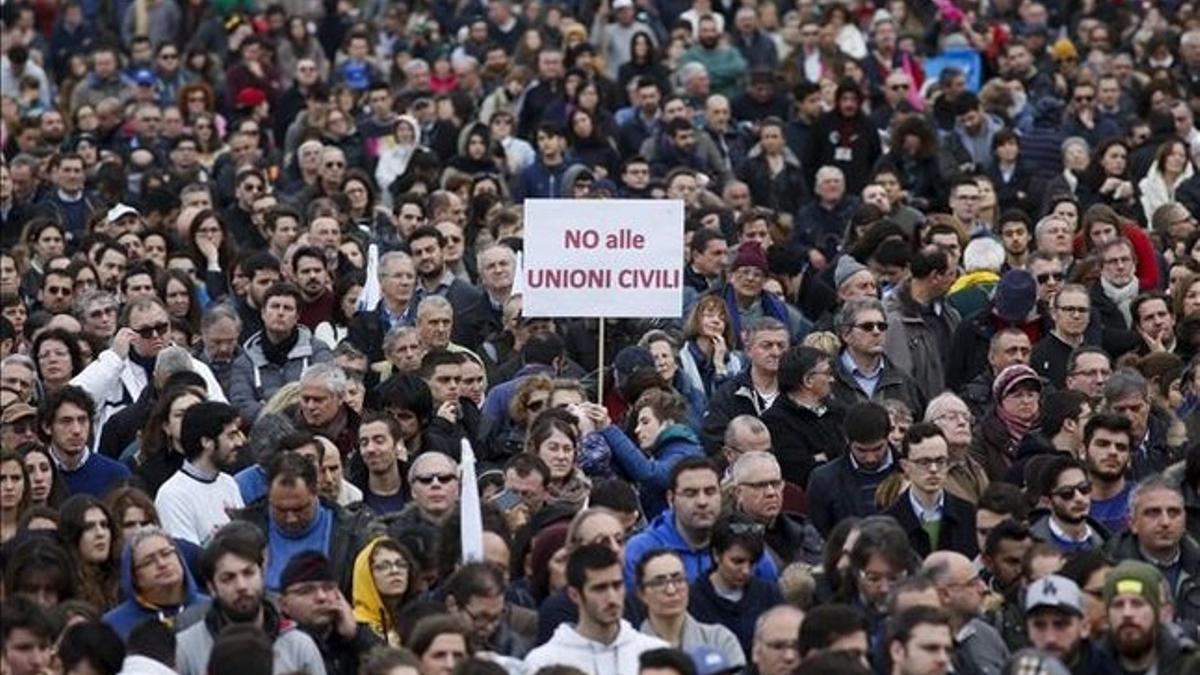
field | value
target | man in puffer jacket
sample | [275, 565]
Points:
[276, 355]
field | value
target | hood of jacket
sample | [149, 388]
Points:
[191, 592]
[302, 349]
[579, 649]
[570, 176]
[476, 129]
[368, 603]
[675, 433]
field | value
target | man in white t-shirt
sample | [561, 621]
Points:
[198, 499]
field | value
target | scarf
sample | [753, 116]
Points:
[772, 307]
[278, 353]
[1121, 297]
[1017, 428]
[145, 362]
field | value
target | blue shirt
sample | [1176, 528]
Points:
[1113, 512]
[95, 476]
[282, 546]
[868, 381]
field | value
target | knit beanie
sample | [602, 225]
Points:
[1135, 577]
[1010, 377]
[847, 267]
[750, 254]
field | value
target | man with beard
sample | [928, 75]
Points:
[233, 567]
[725, 64]
[196, 501]
[311, 273]
[1067, 493]
[428, 246]
[1106, 446]
[601, 635]
[1054, 620]
[275, 355]
[310, 597]
[1137, 640]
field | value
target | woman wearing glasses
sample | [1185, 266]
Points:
[663, 589]
[1018, 393]
[383, 585]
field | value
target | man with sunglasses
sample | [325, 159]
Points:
[863, 371]
[18, 425]
[119, 374]
[1067, 492]
[433, 479]
[238, 217]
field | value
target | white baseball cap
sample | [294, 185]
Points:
[120, 211]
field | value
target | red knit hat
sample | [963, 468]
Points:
[750, 254]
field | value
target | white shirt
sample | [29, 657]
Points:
[192, 506]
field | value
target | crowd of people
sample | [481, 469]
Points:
[271, 404]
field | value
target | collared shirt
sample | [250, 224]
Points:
[87, 454]
[867, 381]
[1059, 533]
[928, 515]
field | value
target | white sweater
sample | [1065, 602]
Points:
[193, 507]
[568, 648]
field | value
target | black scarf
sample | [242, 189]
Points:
[278, 353]
[146, 362]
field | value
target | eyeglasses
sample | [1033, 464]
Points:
[1073, 309]
[676, 581]
[385, 566]
[535, 405]
[252, 187]
[1047, 276]
[931, 463]
[1068, 491]
[872, 326]
[161, 555]
[153, 331]
[440, 478]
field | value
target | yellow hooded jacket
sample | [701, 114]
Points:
[369, 607]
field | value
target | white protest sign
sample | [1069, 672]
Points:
[620, 258]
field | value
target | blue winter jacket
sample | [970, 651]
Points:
[134, 610]
[653, 472]
[661, 533]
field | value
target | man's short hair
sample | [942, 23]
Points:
[69, 394]
[692, 463]
[901, 627]
[867, 422]
[589, 557]
[826, 624]
[1108, 422]
[206, 419]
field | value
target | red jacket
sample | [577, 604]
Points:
[1148, 273]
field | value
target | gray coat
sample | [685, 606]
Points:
[714, 635]
[294, 651]
[981, 645]
[253, 380]
[912, 343]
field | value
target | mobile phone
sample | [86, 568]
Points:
[506, 499]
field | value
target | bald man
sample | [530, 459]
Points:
[961, 591]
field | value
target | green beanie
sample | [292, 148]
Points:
[1134, 577]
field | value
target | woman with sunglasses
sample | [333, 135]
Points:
[736, 543]
[509, 436]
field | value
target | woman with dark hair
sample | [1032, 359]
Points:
[438, 639]
[212, 249]
[178, 292]
[1101, 224]
[14, 493]
[160, 453]
[89, 534]
[362, 204]
[643, 61]
[548, 554]
[385, 580]
[591, 145]
[1009, 174]
[476, 152]
[297, 43]
[209, 145]
[85, 276]
[1106, 180]
[737, 542]
[554, 438]
[56, 352]
[346, 290]
[1171, 167]
[46, 486]
[914, 156]
[40, 569]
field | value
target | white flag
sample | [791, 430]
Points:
[371, 293]
[470, 514]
